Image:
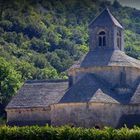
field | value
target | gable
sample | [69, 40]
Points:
[105, 18]
[87, 89]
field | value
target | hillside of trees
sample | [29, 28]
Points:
[41, 39]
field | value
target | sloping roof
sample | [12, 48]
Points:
[136, 96]
[92, 88]
[39, 94]
[89, 89]
[100, 96]
[105, 18]
[100, 57]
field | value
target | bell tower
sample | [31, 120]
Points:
[106, 32]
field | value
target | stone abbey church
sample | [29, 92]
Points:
[103, 87]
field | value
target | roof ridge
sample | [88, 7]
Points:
[109, 58]
[96, 17]
[107, 98]
[112, 18]
[46, 80]
[132, 63]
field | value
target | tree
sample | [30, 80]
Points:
[60, 60]
[26, 70]
[10, 81]
[39, 45]
[116, 4]
[47, 73]
[39, 61]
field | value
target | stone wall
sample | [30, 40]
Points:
[28, 116]
[93, 36]
[93, 114]
[116, 29]
[132, 74]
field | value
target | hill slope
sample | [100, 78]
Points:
[41, 39]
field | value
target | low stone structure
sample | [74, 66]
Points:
[103, 87]
[31, 105]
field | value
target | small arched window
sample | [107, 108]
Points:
[102, 39]
[119, 39]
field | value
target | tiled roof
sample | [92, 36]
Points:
[105, 18]
[39, 94]
[92, 88]
[89, 89]
[102, 57]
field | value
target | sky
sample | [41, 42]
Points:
[130, 3]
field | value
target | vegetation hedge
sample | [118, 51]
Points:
[67, 133]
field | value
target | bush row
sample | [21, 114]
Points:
[67, 133]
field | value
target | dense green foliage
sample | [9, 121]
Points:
[67, 133]
[41, 39]
[10, 81]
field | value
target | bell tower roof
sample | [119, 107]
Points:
[105, 18]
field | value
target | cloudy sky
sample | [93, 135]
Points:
[130, 3]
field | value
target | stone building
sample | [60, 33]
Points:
[103, 87]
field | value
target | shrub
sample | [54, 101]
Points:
[67, 133]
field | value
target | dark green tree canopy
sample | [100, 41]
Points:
[10, 81]
[41, 39]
